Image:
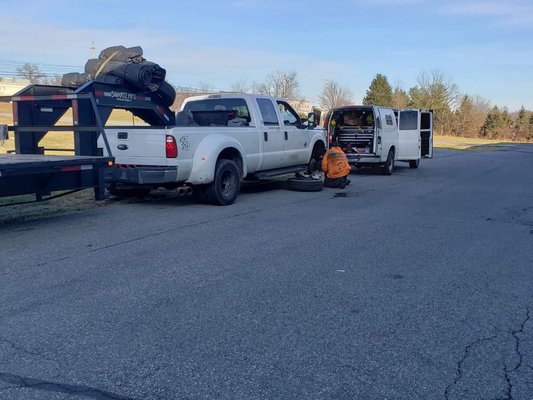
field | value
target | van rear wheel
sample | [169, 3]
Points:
[414, 163]
[389, 164]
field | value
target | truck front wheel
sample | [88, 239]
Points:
[226, 185]
[316, 158]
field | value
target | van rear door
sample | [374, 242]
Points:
[426, 133]
[409, 135]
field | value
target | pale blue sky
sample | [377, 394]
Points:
[486, 47]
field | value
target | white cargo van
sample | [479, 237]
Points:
[379, 136]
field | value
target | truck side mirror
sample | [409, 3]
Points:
[314, 117]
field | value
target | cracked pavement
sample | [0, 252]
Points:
[413, 286]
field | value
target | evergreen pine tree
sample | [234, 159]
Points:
[463, 118]
[493, 123]
[379, 92]
[521, 124]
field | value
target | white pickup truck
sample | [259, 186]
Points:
[217, 141]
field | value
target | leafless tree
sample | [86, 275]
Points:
[400, 98]
[54, 80]
[205, 87]
[241, 86]
[470, 116]
[282, 84]
[333, 95]
[30, 72]
[437, 92]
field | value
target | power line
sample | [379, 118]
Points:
[10, 68]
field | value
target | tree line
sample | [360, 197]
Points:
[454, 113]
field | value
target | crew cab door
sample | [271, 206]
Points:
[295, 137]
[426, 133]
[271, 138]
[409, 135]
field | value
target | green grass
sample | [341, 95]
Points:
[60, 140]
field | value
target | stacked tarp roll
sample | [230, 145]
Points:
[123, 66]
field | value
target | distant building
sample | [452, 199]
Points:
[10, 86]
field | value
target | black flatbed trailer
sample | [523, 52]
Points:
[41, 174]
[37, 110]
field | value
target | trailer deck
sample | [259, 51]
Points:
[41, 174]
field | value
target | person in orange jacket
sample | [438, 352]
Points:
[336, 168]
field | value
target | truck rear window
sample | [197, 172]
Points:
[217, 111]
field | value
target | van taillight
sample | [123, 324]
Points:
[171, 147]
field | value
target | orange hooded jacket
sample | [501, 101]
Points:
[334, 164]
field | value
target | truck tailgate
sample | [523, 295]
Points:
[137, 146]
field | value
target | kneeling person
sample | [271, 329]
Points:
[336, 168]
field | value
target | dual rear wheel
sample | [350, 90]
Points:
[225, 186]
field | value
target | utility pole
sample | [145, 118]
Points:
[93, 48]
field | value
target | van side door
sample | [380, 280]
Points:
[272, 138]
[409, 135]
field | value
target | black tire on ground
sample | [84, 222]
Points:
[305, 184]
[128, 192]
[414, 163]
[389, 164]
[227, 183]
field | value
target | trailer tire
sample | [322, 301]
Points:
[305, 184]
[226, 185]
[414, 163]
[389, 164]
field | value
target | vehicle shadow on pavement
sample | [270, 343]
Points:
[371, 171]
[165, 197]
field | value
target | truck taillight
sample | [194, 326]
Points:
[171, 147]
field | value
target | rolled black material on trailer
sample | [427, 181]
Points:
[125, 67]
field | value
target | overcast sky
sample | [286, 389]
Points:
[486, 47]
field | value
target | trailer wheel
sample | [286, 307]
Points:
[227, 183]
[414, 163]
[389, 164]
[305, 184]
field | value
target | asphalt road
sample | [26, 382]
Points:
[413, 286]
